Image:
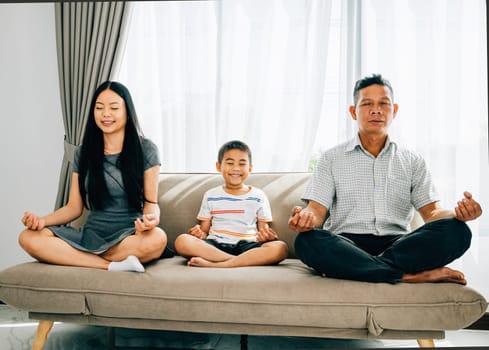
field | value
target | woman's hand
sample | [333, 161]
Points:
[33, 222]
[148, 222]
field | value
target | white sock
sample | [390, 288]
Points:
[131, 263]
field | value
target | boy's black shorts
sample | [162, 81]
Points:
[234, 249]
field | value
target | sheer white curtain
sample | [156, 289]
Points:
[170, 66]
[205, 72]
[279, 74]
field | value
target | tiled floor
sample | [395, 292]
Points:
[17, 331]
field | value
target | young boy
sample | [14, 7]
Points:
[234, 219]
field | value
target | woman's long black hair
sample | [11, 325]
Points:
[91, 171]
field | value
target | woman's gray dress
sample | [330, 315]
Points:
[105, 228]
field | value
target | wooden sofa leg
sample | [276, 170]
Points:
[43, 329]
[426, 343]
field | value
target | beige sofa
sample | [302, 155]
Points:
[288, 299]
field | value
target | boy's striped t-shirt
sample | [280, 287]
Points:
[234, 218]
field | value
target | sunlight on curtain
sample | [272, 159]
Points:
[206, 72]
[170, 68]
[279, 75]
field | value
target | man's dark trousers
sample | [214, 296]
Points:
[373, 258]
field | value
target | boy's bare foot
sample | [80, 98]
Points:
[442, 274]
[200, 262]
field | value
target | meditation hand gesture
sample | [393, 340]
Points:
[33, 222]
[301, 220]
[467, 208]
[147, 223]
[266, 234]
[196, 231]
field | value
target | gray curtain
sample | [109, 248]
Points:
[90, 37]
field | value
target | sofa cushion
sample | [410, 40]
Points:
[285, 295]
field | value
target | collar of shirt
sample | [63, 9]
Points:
[355, 142]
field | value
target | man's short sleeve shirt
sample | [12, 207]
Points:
[367, 194]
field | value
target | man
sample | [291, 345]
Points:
[361, 199]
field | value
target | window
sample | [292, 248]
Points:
[205, 72]
[279, 75]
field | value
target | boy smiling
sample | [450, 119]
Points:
[234, 219]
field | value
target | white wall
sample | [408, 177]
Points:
[31, 137]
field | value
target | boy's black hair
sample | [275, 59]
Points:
[91, 180]
[374, 79]
[234, 144]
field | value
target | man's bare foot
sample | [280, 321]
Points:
[442, 274]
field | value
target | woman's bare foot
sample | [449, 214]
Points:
[442, 274]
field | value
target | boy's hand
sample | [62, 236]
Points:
[33, 222]
[266, 234]
[196, 231]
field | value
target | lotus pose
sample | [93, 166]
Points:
[234, 219]
[115, 177]
[361, 198]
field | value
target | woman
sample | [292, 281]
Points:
[115, 176]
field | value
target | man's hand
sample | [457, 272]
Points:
[301, 220]
[467, 208]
